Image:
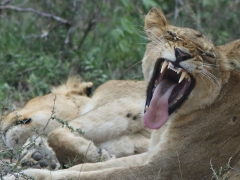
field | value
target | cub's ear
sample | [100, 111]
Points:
[155, 19]
[88, 89]
[232, 53]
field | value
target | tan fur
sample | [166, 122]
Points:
[119, 131]
[202, 133]
[65, 102]
[73, 86]
[114, 133]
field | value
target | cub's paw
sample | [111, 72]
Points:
[37, 154]
[104, 155]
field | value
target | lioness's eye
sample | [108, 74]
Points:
[172, 33]
[24, 121]
[210, 54]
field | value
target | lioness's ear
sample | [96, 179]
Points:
[88, 89]
[155, 23]
[232, 53]
[155, 19]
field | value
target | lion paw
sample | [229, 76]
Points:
[104, 155]
[37, 154]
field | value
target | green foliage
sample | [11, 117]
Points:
[102, 39]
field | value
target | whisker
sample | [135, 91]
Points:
[204, 81]
[158, 42]
[130, 67]
[210, 76]
[210, 65]
[206, 76]
[142, 43]
[144, 37]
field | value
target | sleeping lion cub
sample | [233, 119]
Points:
[66, 126]
[192, 103]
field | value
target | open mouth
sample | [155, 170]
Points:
[167, 90]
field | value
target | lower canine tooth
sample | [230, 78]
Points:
[188, 77]
[146, 108]
[184, 73]
[179, 97]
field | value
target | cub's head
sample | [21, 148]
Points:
[65, 102]
[184, 69]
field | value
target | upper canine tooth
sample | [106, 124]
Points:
[184, 73]
[164, 66]
[169, 65]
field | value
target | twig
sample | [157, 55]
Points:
[69, 32]
[173, 13]
[91, 23]
[86, 31]
[26, 70]
[3, 3]
[228, 165]
[53, 112]
[43, 14]
[213, 170]
[85, 155]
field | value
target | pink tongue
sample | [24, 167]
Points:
[157, 113]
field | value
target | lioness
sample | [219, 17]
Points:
[192, 102]
[66, 102]
[103, 134]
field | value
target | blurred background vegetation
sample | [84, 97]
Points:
[43, 42]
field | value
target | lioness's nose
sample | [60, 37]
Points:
[180, 56]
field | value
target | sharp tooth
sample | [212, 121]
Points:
[164, 66]
[169, 65]
[179, 70]
[184, 73]
[146, 108]
[179, 97]
[188, 77]
[153, 89]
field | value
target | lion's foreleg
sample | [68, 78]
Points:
[141, 172]
[71, 148]
[133, 160]
[132, 167]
